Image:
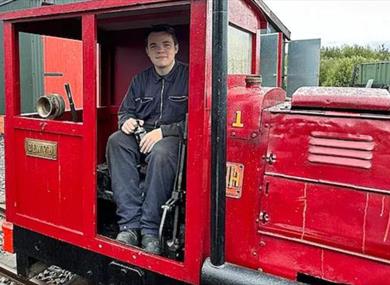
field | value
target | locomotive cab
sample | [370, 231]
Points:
[100, 45]
[120, 55]
[97, 52]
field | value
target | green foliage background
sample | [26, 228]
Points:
[337, 62]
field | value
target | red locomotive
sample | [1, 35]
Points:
[307, 182]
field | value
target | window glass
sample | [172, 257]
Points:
[239, 51]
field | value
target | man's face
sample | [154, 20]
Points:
[161, 49]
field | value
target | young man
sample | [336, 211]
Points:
[156, 100]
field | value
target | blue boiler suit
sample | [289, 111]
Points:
[161, 102]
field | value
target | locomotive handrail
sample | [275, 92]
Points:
[218, 131]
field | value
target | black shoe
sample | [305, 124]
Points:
[151, 244]
[130, 237]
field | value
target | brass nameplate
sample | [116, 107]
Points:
[39, 148]
[234, 179]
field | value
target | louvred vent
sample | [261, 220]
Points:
[341, 149]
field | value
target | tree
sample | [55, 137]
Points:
[337, 63]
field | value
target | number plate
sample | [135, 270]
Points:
[234, 178]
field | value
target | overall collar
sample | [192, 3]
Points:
[170, 77]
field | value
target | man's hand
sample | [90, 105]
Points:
[130, 125]
[149, 140]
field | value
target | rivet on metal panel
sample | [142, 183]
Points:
[262, 243]
[233, 134]
[266, 125]
[270, 158]
[253, 135]
[260, 188]
[254, 253]
[264, 217]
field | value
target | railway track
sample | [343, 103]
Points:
[52, 275]
[7, 277]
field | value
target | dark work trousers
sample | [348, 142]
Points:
[140, 208]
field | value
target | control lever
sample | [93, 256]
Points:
[71, 103]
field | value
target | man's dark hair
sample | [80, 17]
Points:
[162, 28]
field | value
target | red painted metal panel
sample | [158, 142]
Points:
[287, 258]
[89, 36]
[50, 126]
[369, 99]
[325, 197]
[246, 145]
[198, 152]
[243, 15]
[333, 216]
[50, 189]
[63, 64]
[12, 100]
[12, 74]
[256, 52]
[80, 7]
[292, 138]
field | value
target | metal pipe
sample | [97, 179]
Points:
[6, 2]
[232, 274]
[50, 106]
[218, 131]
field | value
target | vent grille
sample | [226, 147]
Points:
[341, 149]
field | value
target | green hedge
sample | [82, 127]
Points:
[337, 63]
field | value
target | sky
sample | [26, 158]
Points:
[336, 22]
